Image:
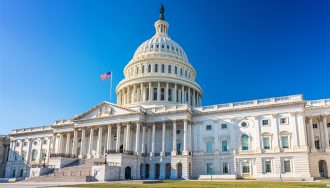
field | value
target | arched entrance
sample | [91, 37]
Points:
[323, 169]
[157, 170]
[168, 171]
[147, 171]
[179, 170]
[128, 173]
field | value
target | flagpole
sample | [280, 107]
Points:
[111, 86]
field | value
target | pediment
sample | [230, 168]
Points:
[104, 109]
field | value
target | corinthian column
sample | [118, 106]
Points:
[118, 138]
[83, 141]
[163, 139]
[75, 142]
[153, 144]
[99, 143]
[90, 148]
[326, 133]
[109, 138]
[67, 148]
[185, 124]
[137, 138]
[174, 139]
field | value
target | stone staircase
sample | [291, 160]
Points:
[77, 171]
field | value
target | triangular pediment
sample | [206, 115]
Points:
[104, 109]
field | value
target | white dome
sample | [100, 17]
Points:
[161, 44]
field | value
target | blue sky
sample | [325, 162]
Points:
[52, 53]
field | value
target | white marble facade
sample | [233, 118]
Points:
[160, 129]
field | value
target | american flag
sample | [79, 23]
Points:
[106, 75]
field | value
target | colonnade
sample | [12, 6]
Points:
[158, 91]
[322, 125]
[123, 145]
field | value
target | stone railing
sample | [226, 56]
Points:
[260, 102]
[321, 102]
[66, 155]
[120, 151]
[32, 129]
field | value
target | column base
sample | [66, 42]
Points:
[162, 154]
[173, 153]
[152, 154]
[81, 156]
[185, 152]
[313, 150]
[89, 156]
[98, 156]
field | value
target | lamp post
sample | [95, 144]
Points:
[211, 167]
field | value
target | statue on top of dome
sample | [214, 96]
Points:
[161, 11]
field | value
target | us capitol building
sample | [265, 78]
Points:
[159, 130]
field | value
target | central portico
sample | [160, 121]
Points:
[136, 136]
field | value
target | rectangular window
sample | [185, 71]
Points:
[147, 94]
[266, 142]
[225, 168]
[209, 168]
[328, 125]
[285, 141]
[162, 94]
[224, 145]
[208, 127]
[287, 166]
[314, 126]
[209, 147]
[268, 166]
[155, 94]
[223, 126]
[246, 167]
[265, 122]
[284, 121]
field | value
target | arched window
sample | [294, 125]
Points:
[185, 73]
[169, 94]
[137, 70]
[169, 69]
[156, 68]
[245, 142]
[149, 68]
[142, 69]
[163, 68]
[181, 72]
[34, 155]
[175, 70]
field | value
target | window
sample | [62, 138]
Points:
[45, 142]
[23, 155]
[156, 68]
[24, 143]
[209, 168]
[225, 168]
[169, 94]
[224, 145]
[246, 167]
[13, 173]
[244, 124]
[317, 142]
[177, 131]
[175, 70]
[155, 94]
[137, 70]
[181, 72]
[17, 144]
[223, 126]
[162, 94]
[35, 143]
[208, 127]
[285, 141]
[44, 154]
[21, 173]
[314, 126]
[169, 69]
[245, 142]
[268, 166]
[34, 155]
[149, 68]
[209, 147]
[328, 125]
[266, 143]
[178, 147]
[163, 68]
[142, 69]
[284, 121]
[287, 166]
[265, 122]
[185, 73]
